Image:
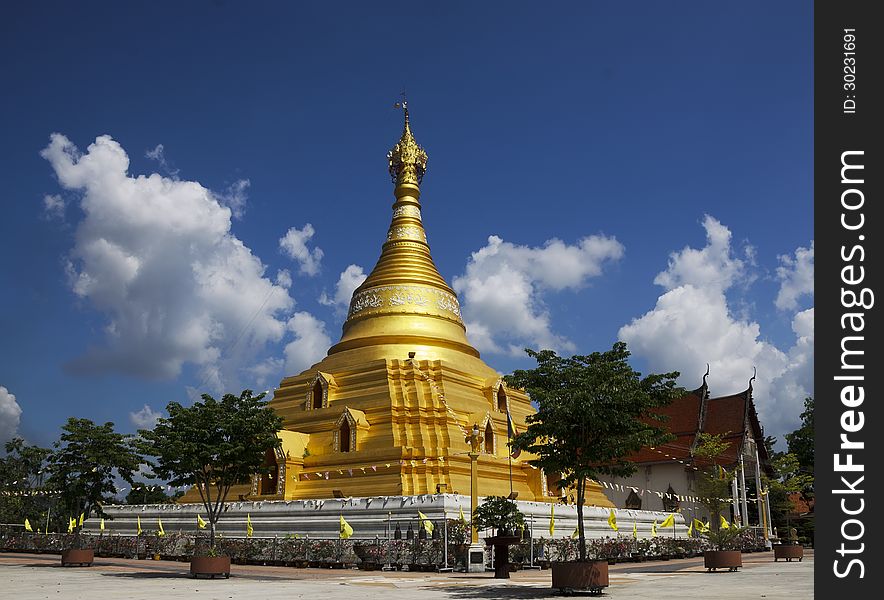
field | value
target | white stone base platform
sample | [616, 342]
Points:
[369, 517]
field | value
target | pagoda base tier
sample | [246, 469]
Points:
[369, 517]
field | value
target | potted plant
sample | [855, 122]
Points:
[592, 412]
[501, 515]
[213, 446]
[84, 466]
[713, 485]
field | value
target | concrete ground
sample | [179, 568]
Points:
[34, 576]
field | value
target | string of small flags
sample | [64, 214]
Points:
[168, 488]
[350, 472]
[641, 492]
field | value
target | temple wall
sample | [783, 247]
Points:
[369, 516]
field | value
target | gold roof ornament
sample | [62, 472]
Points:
[408, 161]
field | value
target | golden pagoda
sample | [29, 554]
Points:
[388, 410]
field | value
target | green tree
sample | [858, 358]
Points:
[85, 465]
[212, 445]
[800, 441]
[21, 479]
[713, 480]
[498, 513]
[592, 412]
[788, 478]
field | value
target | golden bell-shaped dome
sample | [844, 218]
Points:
[405, 299]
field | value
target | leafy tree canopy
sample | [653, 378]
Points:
[212, 445]
[498, 512]
[85, 464]
[21, 473]
[713, 481]
[593, 411]
[800, 441]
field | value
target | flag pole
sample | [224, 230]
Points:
[509, 435]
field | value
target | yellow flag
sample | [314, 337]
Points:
[724, 524]
[249, 529]
[699, 525]
[139, 526]
[200, 523]
[612, 521]
[426, 523]
[160, 531]
[28, 525]
[463, 518]
[102, 525]
[71, 524]
[552, 519]
[690, 528]
[654, 528]
[634, 529]
[668, 521]
[576, 533]
[346, 530]
[82, 518]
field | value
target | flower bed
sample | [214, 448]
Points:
[416, 554]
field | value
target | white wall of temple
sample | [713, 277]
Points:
[652, 481]
[369, 517]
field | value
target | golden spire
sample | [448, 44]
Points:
[408, 161]
[405, 299]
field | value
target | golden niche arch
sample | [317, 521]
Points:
[319, 391]
[349, 427]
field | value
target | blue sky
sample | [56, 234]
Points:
[659, 157]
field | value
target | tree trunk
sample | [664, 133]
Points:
[581, 536]
[211, 533]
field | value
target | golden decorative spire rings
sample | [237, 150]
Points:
[408, 161]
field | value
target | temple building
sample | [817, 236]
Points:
[387, 411]
[666, 476]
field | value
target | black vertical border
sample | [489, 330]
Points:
[835, 132]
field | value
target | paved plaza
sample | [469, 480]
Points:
[32, 577]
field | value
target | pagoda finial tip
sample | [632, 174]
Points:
[407, 160]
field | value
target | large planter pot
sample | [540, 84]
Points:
[788, 551]
[210, 566]
[722, 559]
[77, 558]
[580, 576]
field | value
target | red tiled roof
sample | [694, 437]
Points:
[800, 504]
[683, 422]
[725, 416]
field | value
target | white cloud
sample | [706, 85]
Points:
[284, 278]
[146, 418]
[265, 370]
[504, 286]
[53, 207]
[294, 245]
[157, 257]
[10, 415]
[310, 344]
[796, 278]
[159, 154]
[235, 197]
[350, 279]
[692, 324]
[710, 267]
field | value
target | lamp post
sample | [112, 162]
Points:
[476, 553]
[474, 439]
